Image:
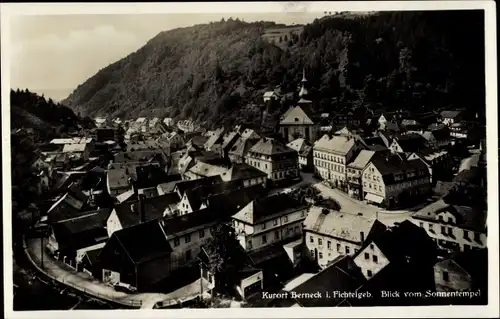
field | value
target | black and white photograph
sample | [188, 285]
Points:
[175, 157]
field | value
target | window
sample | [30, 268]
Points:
[286, 219]
[338, 247]
[176, 242]
[466, 235]
[303, 214]
[421, 224]
[187, 238]
[320, 241]
[275, 222]
[276, 235]
[346, 250]
[264, 226]
[367, 256]
[264, 239]
[329, 245]
[201, 233]
[188, 254]
[443, 230]
[430, 228]
[311, 239]
[312, 252]
[372, 246]
[320, 255]
[375, 258]
[249, 244]
[369, 273]
[446, 277]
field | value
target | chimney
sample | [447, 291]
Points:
[142, 212]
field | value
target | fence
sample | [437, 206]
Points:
[128, 303]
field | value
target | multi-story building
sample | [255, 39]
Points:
[354, 173]
[451, 117]
[275, 159]
[269, 220]
[439, 163]
[331, 155]
[329, 234]
[248, 138]
[453, 227]
[392, 181]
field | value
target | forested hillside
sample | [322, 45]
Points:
[46, 118]
[207, 72]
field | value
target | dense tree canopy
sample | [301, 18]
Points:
[214, 71]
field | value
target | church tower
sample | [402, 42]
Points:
[303, 90]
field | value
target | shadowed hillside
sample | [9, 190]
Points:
[212, 72]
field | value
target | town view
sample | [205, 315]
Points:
[339, 162]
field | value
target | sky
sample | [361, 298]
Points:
[53, 54]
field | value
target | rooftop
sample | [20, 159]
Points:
[337, 144]
[362, 159]
[270, 146]
[296, 116]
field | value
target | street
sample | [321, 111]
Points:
[350, 205]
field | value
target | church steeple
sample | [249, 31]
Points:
[303, 90]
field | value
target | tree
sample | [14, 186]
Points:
[225, 256]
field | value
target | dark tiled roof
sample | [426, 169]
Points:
[141, 156]
[177, 224]
[129, 214]
[343, 276]
[406, 242]
[93, 255]
[144, 241]
[450, 114]
[242, 146]
[197, 195]
[474, 262]
[243, 171]
[83, 231]
[411, 142]
[388, 165]
[264, 207]
[271, 146]
[183, 186]
[231, 202]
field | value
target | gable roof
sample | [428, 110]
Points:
[83, 231]
[264, 208]
[411, 142]
[242, 146]
[231, 202]
[72, 148]
[242, 171]
[183, 186]
[215, 138]
[336, 277]
[296, 116]
[390, 164]
[466, 217]
[301, 146]
[229, 138]
[337, 144]
[206, 169]
[405, 243]
[129, 212]
[362, 159]
[270, 146]
[175, 225]
[143, 242]
[341, 225]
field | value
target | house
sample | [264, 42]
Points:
[271, 95]
[297, 123]
[451, 117]
[118, 181]
[168, 121]
[87, 260]
[331, 156]
[81, 150]
[329, 234]
[392, 181]
[214, 142]
[377, 143]
[156, 126]
[248, 138]
[139, 256]
[439, 163]
[409, 143]
[134, 212]
[72, 204]
[277, 160]
[459, 131]
[328, 288]
[69, 236]
[399, 259]
[453, 227]
[202, 170]
[101, 122]
[463, 271]
[228, 141]
[182, 187]
[175, 140]
[248, 174]
[354, 173]
[304, 150]
[201, 197]
[438, 138]
[269, 220]
[395, 245]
